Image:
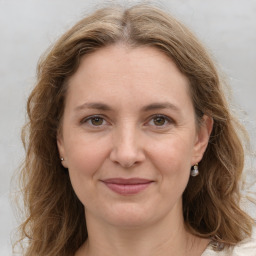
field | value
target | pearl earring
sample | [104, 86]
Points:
[194, 172]
[61, 159]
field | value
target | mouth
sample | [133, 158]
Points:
[127, 186]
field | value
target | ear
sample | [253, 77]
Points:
[61, 149]
[202, 139]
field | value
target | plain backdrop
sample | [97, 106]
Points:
[28, 27]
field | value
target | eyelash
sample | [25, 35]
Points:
[90, 118]
[167, 121]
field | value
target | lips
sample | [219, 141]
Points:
[127, 186]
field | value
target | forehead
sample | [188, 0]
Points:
[120, 72]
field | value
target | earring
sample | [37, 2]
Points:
[194, 172]
[61, 159]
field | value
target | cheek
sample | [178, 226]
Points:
[172, 158]
[85, 153]
[85, 158]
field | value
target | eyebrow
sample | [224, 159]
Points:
[150, 107]
[94, 105]
[164, 105]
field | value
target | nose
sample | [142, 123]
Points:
[127, 149]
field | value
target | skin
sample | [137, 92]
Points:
[145, 128]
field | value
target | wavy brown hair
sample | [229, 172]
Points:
[55, 222]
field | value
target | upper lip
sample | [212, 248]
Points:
[124, 181]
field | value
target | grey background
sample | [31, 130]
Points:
[28, 27]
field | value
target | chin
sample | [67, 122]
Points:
[130, 215]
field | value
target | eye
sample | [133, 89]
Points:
[160, 121]
[94, 121]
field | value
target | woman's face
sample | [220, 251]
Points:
[129, 136]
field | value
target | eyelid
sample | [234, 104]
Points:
[167, 118]
[88, 118]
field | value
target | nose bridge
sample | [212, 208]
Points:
[127, 149]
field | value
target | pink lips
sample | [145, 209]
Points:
[127, 186]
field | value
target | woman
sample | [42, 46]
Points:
[130, 146]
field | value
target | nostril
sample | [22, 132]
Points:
[124, 163]
[124, 159]
[126, 150]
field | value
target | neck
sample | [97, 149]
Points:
[161, 238]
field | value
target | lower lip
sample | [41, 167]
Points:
[127, 189]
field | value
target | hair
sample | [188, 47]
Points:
[55, 222]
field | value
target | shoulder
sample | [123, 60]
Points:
[247, 247]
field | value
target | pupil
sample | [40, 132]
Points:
[159, 121]
[97, 121]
